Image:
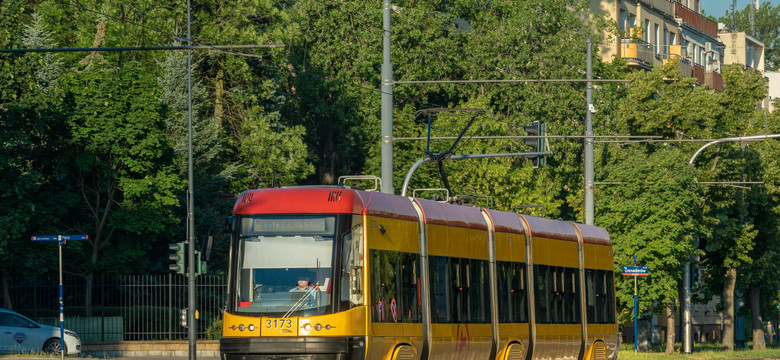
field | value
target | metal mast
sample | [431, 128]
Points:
[387, 104]
[191, 325]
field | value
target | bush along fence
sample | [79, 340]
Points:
[123, 308]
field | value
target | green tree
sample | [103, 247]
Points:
[123, 166]
[733, 230]
[756, 279]
[31, 138]
[652, 207]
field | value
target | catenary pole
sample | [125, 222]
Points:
[589, 139]
[387, 104]
[191, 325]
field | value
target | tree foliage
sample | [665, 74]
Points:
[103, 135]
[650, 203]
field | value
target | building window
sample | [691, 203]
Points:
[647, 32]
[623, 19]
[657, 39]
[666, 42]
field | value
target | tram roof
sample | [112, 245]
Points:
[303, 200]
[337, 200]
[452, 215]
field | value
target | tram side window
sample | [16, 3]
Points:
[441, 300]
[607, 300]
[394, 289]
[556, 276]
[600, 296]
[351, 262]
[512, 296]
[411, 303]
[572, 291]
[542, 294]
[459, 290]
[479, 296]
[556, 290]
[590, 295]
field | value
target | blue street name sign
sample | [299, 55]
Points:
[636, 271]
[58, 237]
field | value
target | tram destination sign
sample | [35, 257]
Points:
[636, 271]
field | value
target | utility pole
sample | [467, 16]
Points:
[387, 104]
[589, 139]
[192, 332]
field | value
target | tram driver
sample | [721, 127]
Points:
[305, 292]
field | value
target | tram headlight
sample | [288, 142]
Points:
[241, 327]
[307, 327]
[251, 327]
[318, 327]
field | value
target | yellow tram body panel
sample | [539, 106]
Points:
[510, 247]
[513, 341]
[557, 341]
[346, 323]
[457, 242]
[460, 341]
[396, 236]
[605, 336]
[384, 337]
[598, 257]
[555, 252]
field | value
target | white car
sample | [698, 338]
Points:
[20, 334]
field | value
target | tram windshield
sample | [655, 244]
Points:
[285, 264]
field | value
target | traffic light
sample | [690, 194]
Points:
[178, 256]
[200, 264]
[536, 144]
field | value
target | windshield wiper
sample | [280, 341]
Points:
[299, 303]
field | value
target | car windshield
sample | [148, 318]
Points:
[285, 265]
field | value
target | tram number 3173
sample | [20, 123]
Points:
[278, 324]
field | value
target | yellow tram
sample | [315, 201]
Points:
[344, 274]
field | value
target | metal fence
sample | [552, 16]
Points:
[134, 307]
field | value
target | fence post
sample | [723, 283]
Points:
[103, 307]
[170, 314]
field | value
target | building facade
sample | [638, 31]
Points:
[654, 32]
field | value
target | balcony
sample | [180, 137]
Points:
[696, 20]
[679, 52]
[637, 54]
[698, 73]
[713, 80]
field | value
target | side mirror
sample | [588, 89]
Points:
[208, 243]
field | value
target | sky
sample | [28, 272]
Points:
[718, 8]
